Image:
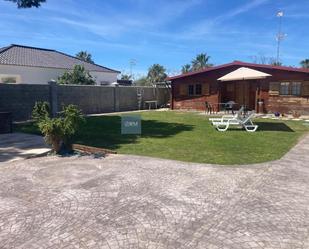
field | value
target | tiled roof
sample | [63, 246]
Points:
[241, 64]
[38, 57]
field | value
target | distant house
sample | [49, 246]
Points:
[23, 64]
[263, 88]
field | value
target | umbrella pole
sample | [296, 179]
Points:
[243, 95]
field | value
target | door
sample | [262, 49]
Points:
[242, 93]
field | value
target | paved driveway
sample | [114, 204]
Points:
[137, 202]
[18, 146]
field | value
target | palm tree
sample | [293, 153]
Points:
[305, 63]
[84, 56]
[156, 73]
[200, 62]
[186, 68]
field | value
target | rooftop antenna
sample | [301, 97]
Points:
[280, 36]
[132, 63]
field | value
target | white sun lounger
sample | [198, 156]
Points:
[245, 123]
[225, 118]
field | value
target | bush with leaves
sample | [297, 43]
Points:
[60, 130]
[41, 110]
[79, 76]
[72, 118]
[52, 130]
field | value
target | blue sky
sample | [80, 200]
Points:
[169, 32]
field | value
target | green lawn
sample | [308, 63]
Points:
[190, 137]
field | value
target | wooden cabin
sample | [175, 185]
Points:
[263, 88]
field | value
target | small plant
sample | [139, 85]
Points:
[58, 131]
[52, 130]
[40, 111]
[72, 118]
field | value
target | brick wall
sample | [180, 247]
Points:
[288, 104]
[283, 104]
[90, 99]
[195, 102]
[20, 98]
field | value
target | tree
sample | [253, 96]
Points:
[305, 63]
[156, 73]
[85, 56]
[200, 62]
[276, 63]
[142, 81]
[125, 76]
[27, 3]
[266, 60]
[186, 68]
[79, 76]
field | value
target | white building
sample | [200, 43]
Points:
[23, 64]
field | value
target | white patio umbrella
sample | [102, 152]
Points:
[244, 73]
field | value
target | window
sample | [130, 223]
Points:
[296, 88]
[195, 89]
[284, 88]
[290, 88]
[7, 80]
[191, 90]
[198, 89]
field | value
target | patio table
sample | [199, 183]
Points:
[222, 104]
[150, 102]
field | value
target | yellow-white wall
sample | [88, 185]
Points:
[37, 75]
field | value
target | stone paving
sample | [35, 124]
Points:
[18, 146]
[138, 202]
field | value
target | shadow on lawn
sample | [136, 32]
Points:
[105, 131]
[270, 126]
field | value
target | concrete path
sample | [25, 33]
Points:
[17, 146]
[139, 202]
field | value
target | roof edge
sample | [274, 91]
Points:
[25, 46]
[113, 70]
[239, 63]
[53, 50]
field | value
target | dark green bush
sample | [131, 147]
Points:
[41, 111]
[79, 76]
[72, 118]
[60, 130]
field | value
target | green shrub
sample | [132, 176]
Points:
[52, 130]
[40, 111]
[72, 118]
[79, 76]
[60, 130]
